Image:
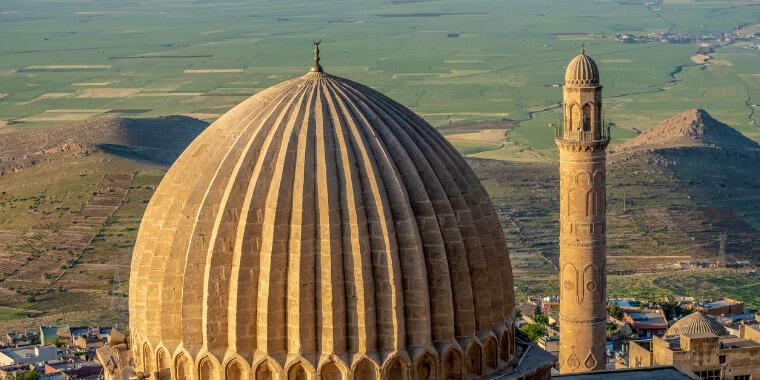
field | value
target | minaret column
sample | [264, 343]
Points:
[582, 143]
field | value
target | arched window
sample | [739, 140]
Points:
[587, 118]
[234, 371]
[504, 346]
[164, 365]
[148, 359]
[297, 372]
[263, 372]
[330, 372]
[206, 370]
[365, 370]
[184, 368]
[575, 117]
[452, 366]
[426, 368]
[474, 360]
[491, 357]
[396, 370]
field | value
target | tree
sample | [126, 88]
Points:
[542, 319]
[534, 331]
[59, 342]
[28, 375]
[615, 311]
[538, 310]
[518, 313]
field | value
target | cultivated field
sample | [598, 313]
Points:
[448, 60]
[487, 73]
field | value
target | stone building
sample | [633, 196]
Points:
[646, 323]
[320, 230]
[582, 142]
[699, 345]
[722, 306]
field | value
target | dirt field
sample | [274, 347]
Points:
[98, 93]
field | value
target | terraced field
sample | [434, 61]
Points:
[487, 73]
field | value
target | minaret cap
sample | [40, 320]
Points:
[316, 67]
[582, 71]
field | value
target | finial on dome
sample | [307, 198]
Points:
[583, 48]
[316, 68]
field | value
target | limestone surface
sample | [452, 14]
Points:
[320, 230]
[582, 142]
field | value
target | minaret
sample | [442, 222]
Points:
[582, 142]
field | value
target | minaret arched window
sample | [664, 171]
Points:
[587, 118]
[575, 116]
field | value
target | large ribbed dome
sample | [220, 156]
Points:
[319, 227]
[582, 70]
[696, 322]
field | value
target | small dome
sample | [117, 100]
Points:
[320, 227]
[696, 322]
[582, 70]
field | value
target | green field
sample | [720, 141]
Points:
[447, 60]
[701, 284]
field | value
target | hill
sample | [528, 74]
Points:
[71, 200]
[668, 205]
[694, 127]
[159, 140]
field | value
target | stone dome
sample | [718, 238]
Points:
[696, 322]
[320, 229]
[582, 70]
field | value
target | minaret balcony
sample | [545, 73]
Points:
[603, 135]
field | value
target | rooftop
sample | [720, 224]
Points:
[696, 322]
[699, 335]
[647, 373]
[720, 303]
[649, 318]
[733, 342]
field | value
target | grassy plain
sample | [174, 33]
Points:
[448, 60]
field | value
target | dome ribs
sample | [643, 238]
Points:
[302, 295]
[172, 232]
[236, 292]
[269, 206]
[412, 259]
[388, 287]
[478, 245]
[319, 228]
[455, 231]
[360, 292]
[469, 235]
[429, 199]
[194, 328]
[331, 319]
[244, 270]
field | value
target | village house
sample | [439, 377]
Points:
[646, 323]
[28, 354]
[699, 344]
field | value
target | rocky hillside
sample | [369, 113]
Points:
[694, 127]
[159, 140]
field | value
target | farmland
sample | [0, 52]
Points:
[486, 73]
[478, 60]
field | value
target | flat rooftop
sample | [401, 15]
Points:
[647, 373]
[719, 303]
[734, 342]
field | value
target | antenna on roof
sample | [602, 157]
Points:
[316, 68]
